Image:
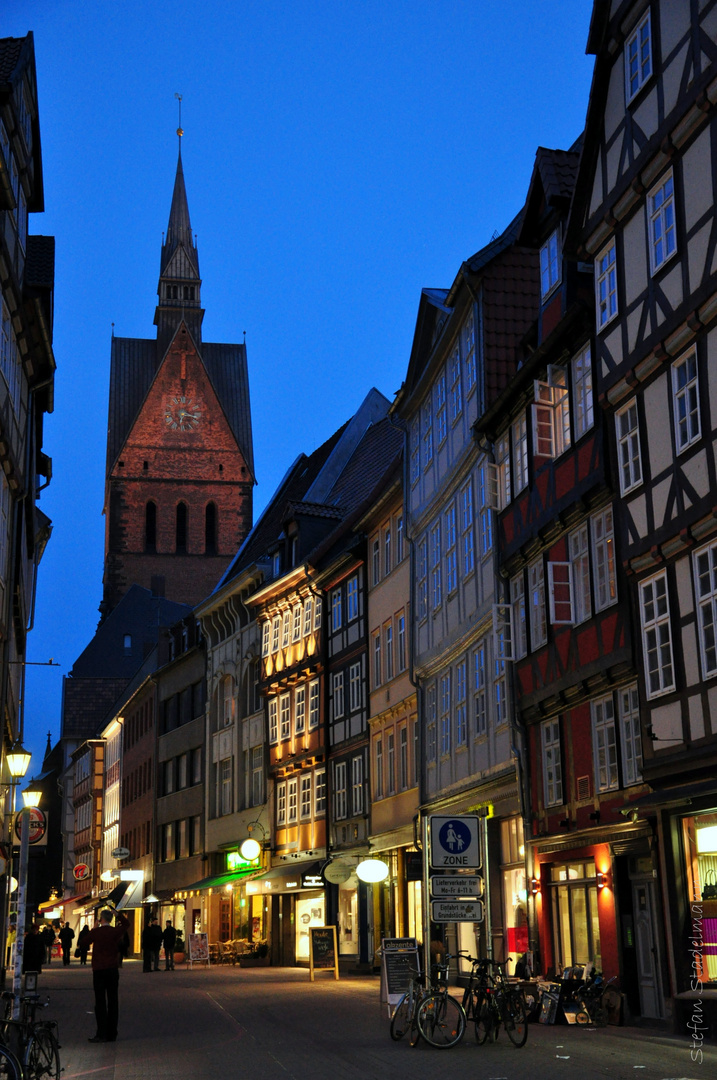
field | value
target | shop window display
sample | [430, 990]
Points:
[700, 846]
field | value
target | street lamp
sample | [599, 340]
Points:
[32, 794]
[18, 762]
[31, 798]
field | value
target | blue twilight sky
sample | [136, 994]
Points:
[339, 157]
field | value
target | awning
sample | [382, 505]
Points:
[674, 796]
[119, 897]
[299, 872]
[219, 880]
[50, 905]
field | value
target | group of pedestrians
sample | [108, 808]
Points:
[154, 939]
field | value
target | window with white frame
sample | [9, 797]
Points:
[580, 573]
[583, 414]
[388, 642]
[606, 285]
[338, 695]
[461, 711]
[686, 400]
[705, 574]
[375, 561]
[336, 609]
[313, 704]
[449, 519]
[519, 439]
[401, 643]
[378, 770]
[602, 711]
[500, 689]
[387, 551]
[226, 786]
[469, 352]
[265, 638]
[467, 538]
[656, 636]
[454, 377]
[403, 758]
[628, 447]
[538, 624]
[502, 464]
[520, 622]
[292, 801]
[423, 579]
[228, 701]
[281, 804]
[319, 792]
[299, 710]
[273, 720]
[286, 630]
[377, 669]
[275, 633]
[317, 612]
[551, 414]
[630, 734]
[285, 716]
[296, 631]
[638, 57]
[439, 396]
[661, 222]
[550, 264]
[355, 682]
[486, 520]
[305, 805]
[357, 785]
[415, 452]
[391, 762]
[446, 713]
[552, 763]
[427, 427]
[256, 755]
[436, 583]
[352, 603]
[603, 542]
[399, 539]
[308, 615]
[431, 722]
[340, 790]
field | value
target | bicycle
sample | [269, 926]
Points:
[34, 1043]
[496, 1003]
[404, 1015]
[591, 1001]
[431, 1013]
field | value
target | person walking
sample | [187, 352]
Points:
[151, 945]
[47, 934]
[33, 950]
[83, 944]
[67, 936]
[169, 940]
[105, 940]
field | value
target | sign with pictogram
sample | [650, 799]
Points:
[38, 825]
[455, 842]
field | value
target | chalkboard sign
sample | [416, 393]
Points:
[399, 963]
[322, 950]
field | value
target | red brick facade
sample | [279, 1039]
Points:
[172, 457]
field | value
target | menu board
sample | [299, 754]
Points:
[399, 964]
[198, 948]
[323, 955]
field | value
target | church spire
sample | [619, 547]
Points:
[179, 288]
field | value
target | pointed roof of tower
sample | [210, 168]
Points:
[179, 229]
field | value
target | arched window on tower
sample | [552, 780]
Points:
[181, 528]
[191, 292]
[150, 527]
[186, 292]
[210, 529]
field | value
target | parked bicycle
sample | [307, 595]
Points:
[430, 1013]
[591, 1000]
[493, 1001]
[34, 1043]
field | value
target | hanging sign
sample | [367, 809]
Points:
[38, 825]
[81, 871]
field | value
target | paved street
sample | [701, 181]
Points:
[273, 1024]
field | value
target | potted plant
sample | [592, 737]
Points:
[179, 949]
[257, 957]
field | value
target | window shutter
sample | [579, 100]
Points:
[503, 632]
[561, 593]
[543, 424]
[491, 487]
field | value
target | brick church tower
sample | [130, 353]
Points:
[180, 468]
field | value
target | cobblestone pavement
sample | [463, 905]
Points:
[274, 1024]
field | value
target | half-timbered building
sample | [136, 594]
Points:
[645, 218]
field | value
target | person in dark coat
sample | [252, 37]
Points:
[67, 936]
[47, 934]
[151, 945]
[33, 950]
[83, 943]
[169, 940]
[105, 940]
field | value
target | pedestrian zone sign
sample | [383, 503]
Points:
[455, 842]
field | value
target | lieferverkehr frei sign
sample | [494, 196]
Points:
[455, 842]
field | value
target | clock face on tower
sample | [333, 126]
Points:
[182, 414]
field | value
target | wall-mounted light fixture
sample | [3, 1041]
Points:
[601, 879]
[535, 886]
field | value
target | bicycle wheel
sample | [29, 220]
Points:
[401, 1019]
[582, 1017]
[10, 1067]
[486, 1026]
[42, 1057]
[515, 1021]
[441, 1020]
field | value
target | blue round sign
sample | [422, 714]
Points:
[454, 837]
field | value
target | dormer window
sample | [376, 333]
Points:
[550, 264]
[638, 58]
[276, 564]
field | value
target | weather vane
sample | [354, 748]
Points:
[180, 130]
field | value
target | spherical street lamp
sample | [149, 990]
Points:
[371, 871]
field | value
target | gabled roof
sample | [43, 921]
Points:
[551, 188]
[16, 56]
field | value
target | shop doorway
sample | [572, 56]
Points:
[648, 966]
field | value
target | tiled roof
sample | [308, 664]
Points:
[558, 171]
[377, 450]
[315, 510]
[227, 369]
[40, 262]
[10, 52]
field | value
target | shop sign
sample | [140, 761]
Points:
[81, 871]
[457, 910]
[445, 885]
[399, 964]
[121, 853]
[455, 842]
[337, 872]
[38, 824]
[312, 881]
[236, 862]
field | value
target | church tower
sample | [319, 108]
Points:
[180, 469]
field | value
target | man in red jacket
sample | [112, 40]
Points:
[105, 940]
